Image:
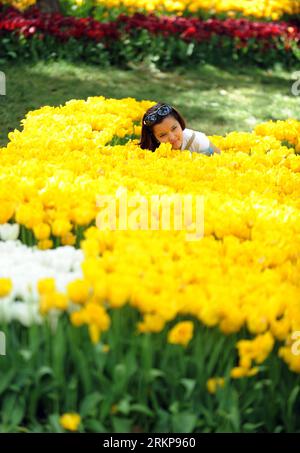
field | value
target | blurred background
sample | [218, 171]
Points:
[227, 65]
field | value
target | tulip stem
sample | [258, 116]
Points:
[22, 234]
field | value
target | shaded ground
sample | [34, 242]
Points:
[213, 100]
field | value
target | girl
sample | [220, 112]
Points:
[163, 124]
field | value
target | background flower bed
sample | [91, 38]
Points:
[166, 41]
[265, 9]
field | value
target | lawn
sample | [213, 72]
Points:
[214, 100]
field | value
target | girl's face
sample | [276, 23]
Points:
[169, 131]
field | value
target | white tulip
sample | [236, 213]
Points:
[25, 266]
[26, 314]
[5, 310]
[9, 231]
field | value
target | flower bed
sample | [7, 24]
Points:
[272, 9]
[165, 40]
[159, 333]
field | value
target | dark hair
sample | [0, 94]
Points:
[148, 140]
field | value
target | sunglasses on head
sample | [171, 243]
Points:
[151, 118]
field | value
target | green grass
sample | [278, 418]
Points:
[211, 99]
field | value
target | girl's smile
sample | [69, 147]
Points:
[169, 131]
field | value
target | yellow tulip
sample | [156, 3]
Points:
[5, 286]
[181, 333]
[70, 421]
[78, 291]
